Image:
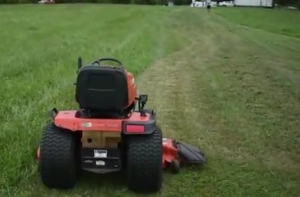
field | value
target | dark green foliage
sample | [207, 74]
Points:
[146, 2]
[288, 2]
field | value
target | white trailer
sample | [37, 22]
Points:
[254, 3]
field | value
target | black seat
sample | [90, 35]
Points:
[101, 88]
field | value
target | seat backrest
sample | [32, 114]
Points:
[101, 88]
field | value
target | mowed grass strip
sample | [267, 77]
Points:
[231, 90]
[238, 99]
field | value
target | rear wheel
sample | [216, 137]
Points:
[58, 163]
[144, 162]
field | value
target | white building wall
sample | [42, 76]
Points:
[256, 3]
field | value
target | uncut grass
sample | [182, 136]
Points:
[279, 21]
[38, 69]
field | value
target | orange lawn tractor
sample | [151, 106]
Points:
[111, 131]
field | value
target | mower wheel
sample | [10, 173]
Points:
[175, 166]
[58, 163]
[144, 162]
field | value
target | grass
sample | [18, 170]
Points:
[230, 89]
[283, 21]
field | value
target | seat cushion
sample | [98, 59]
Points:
[101, 88]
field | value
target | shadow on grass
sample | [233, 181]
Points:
[118, 180]
[113, 180]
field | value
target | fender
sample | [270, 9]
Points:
[137, 123]
[137, 127]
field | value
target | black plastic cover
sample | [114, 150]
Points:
[101, 158]
[101, 88]
[190, 154]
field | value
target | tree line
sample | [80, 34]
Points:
[141, 2]
[287, 2]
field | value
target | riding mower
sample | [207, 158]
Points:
[111, 131]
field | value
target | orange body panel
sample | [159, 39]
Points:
[170, 152]
[132, 89]
[67, 120]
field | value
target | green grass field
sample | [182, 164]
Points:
[226, 81]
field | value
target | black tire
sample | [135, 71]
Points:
[58, 164]
[144, 162]
[175, 166]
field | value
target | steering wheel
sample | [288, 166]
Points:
[108, 59]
